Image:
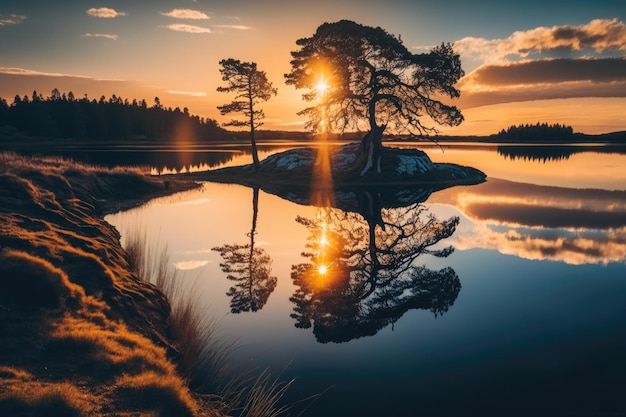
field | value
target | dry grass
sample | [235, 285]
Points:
[29, 281]
[43, 400]
[58, 165]
[74, 320]
[151, 391]
[201, 358]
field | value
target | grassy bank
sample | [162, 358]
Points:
[80, 333]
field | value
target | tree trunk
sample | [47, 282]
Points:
[255, 154]
[371, 150]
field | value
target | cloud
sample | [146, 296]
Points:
[524, 93]
[27, 72]
[187, 265]
[178, 27]
[543, 79]
[186, 14]
[551, 71]
[571, 248]
[196, 252]
[188, 93]
[518, 204]
[599, 35]
[101, 35]
[545, 63]
[12, 19]
[105, 12]
[197, 201]
[575, 226]
[236, 27]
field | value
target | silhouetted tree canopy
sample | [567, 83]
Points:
[63, 116]
[360, 75]
[252, 87]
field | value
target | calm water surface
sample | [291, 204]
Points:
[525, 316]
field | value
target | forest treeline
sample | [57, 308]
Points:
[62, 115]
[540, 132]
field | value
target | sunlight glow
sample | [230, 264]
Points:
[321, 86]
[322, 269]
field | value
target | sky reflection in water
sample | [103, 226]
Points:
[525, 316]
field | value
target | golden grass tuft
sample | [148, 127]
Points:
[10, 372]
[43, 400]
[151, 391]
[108, 350]
[30, 281]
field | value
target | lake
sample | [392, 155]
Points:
[502, 298]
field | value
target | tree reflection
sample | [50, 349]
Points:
[250, 268]
[361, 275]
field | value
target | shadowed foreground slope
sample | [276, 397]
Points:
[80, 334]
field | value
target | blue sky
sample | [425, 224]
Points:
[524, 61]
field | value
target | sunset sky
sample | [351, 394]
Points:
[525, 62]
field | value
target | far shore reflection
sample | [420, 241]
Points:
[546, 153]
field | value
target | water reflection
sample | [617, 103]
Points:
[159, 159]
[550, 153]
[249, 267]
[361, 274]
[575, 226]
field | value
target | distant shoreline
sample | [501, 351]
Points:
[11, 142]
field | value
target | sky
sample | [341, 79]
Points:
[525, 62]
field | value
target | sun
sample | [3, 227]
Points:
[321, 86]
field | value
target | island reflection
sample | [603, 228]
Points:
[360, 275]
